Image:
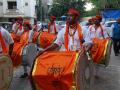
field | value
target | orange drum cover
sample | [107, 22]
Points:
[17, 50]
[16, 54]
[45, 39]
[15, 38]
[55, 71]
[35, 36]
[6, 72]
[98, 50]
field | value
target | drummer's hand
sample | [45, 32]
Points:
[17, 25]
[40, 52]
[87, 46]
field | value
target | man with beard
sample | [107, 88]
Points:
[72, 36]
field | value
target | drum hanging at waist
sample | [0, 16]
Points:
[63, 70]
[99, 49]
[6, 72]
[45, 39]
[20, 50]
[16, 54]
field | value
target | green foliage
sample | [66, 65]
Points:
[102, 4]
[60, 7]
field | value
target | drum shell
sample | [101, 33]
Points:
[68, 79]
[99, 49]
[29, 53]
[6, 72]
[45, 39]
[107, 53]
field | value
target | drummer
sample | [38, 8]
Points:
[52, 27]
[6, 41]
[98, 30]
[17, 27]
[27, 29]
[36, 27]
[72, 36]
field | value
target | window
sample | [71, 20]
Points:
[12, 5]
[1, 3]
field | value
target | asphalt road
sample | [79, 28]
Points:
[109, 78]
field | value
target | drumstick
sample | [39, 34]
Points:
[88, 55]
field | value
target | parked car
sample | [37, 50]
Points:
[108, 25]
[83, 23]
[61, 24]
[7, 25]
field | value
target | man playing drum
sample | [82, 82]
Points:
[97, 30]
[6, 48]
[17, 29]
[72, 36]
[6, 41]
[52, 27]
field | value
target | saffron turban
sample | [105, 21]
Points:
[73, 11]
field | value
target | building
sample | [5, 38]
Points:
[10, 9]
[45, 6]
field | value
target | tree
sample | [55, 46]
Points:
[60, 7]
[103, 4]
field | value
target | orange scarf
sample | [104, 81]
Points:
[49, 25]
[3, 45]
[36, 27]
[80, 35]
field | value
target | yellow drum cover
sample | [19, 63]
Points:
[6, 72]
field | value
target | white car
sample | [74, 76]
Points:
[108, 25]
[61, 24]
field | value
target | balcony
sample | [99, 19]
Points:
[13, 13]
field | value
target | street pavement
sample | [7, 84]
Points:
[109, 77]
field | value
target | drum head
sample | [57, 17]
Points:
[84, 73]
[6, 72]
[31, 52]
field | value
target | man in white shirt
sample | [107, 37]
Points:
[7, 41]
[52, 27]
[97, 30]
[17, 27]
[72, 36]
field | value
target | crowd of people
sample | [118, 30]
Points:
[73, 36]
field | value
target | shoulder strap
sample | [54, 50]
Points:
[102, 32]
[4, 48]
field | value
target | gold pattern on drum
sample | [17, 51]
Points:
[55, 70]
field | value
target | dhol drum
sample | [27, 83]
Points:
[45, 39]
[107, 53]
[6, 72]
[62, 71]
[101, 51]
[29, 53]
[16, 54]
[23, 49]
[24, 53]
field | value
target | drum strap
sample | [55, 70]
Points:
[80, 35]
[49, 25]
[4, 48]
[102, 33]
